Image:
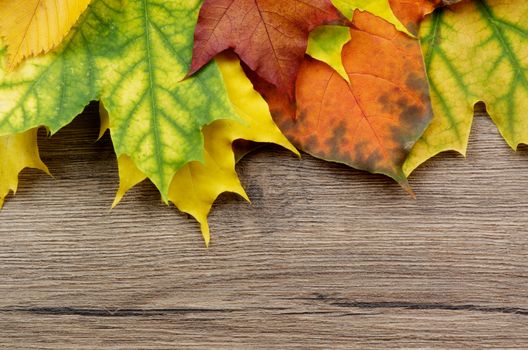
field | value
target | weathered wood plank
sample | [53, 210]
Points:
[325, 256]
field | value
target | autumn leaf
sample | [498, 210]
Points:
[380, 8]
[197, 185]
[52, 89]
[270, 36]
[405, 15]
[326, 44]
[133, 56]
[17, 152]
[475, 51]
[31, 27]
[370, 123]
[155, 117]
[412, 12]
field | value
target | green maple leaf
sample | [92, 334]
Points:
[133, 56]
[475, 51]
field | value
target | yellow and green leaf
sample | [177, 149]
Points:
[51, 90]
[475, 51]
[326, 44]
[31, 27]
[17, 152]
[156, 116]
[133, 56]
[196, 186]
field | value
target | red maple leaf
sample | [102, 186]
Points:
[269, 36]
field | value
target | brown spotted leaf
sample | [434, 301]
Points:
[270, 36]
[370, 123]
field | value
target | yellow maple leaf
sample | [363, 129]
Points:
[196, 186]
[31, 27]
[17, 152]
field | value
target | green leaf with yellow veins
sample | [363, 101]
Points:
[17, 152]
[326, 44]
[133, 56]
[156, 116]
[196, 186]
[380, 8]
[51, 90]
[475, 51]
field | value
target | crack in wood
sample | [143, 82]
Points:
[337, 302]
[344, 303]
[108, 312]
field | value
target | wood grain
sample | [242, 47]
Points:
[324, 257]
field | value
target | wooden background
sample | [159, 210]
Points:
[325, 257]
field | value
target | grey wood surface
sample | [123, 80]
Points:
[325, 256]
